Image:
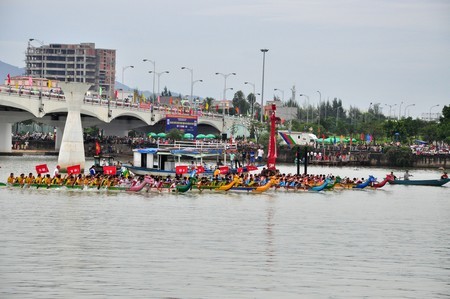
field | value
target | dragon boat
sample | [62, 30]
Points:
[436, 183]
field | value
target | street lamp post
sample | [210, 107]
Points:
[159, 77]
[407, 108]
[390, 109]
[400, 110]
[154, 73]
[264, 51]
[123, 72]
[429, 116]
[41, 105]
[254, 95]
[195, 102]
[320, 100]
[192, 82]
[307, 106]
[225, 76]
[228, 107]
[282, 93]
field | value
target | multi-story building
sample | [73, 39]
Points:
[73, 63]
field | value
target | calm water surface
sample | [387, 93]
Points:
[387, 243]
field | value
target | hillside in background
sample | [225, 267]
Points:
[6, 68]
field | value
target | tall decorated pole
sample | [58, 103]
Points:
[272, 151]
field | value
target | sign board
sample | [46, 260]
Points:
[185, 123]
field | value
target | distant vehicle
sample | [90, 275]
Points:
[297, 138]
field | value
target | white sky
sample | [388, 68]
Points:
[361, 51]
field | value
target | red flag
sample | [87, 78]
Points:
[181, 169]
[74, 169]
[98, 148]
[41, 168]
[200, 169]
[30, 81]
[217, 108]
[159, 100]
[170, 101]
[9, 79]
[109, 170]
[223, 169]
[240, 170]
[116, 94]
[252, 167]
[362, 136]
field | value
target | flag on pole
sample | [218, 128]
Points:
[74, 169]
[98, 148]
[206, 106]
[8, 77]
[41, 168]
[30, 81]
[49, 83]
[159, 100]
[100, 91]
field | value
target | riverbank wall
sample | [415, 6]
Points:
[285, 155]
[365, 158]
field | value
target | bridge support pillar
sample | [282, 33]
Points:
[58, 140]
[72, 147]
[5, 137]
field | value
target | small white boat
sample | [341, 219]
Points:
[183, 158]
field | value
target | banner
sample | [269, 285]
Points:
[74, 169]
[181, 169]
[185, 123]
[223, 169]
[109, 170]
[200, 169]
[146, 106]
[41, 168]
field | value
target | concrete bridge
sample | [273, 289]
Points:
[114, 117]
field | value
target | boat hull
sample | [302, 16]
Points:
[437, 183]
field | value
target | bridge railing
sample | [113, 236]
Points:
[199, 144]
[27, 92]
[117, 104]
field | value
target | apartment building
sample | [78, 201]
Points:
[73, 63]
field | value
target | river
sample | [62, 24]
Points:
[388, 243]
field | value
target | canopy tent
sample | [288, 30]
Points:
[200, 136]
[151, 134]
[188, 136]
[162, 135]
[210, 136]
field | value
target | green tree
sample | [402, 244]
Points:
[166, 93]
[175, 134]
[239, 102]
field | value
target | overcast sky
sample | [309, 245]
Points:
[379, 51]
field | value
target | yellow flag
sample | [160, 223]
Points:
[49, 83]
[206, 106]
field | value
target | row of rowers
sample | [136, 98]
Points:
[70, 180]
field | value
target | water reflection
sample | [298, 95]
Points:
[389, 243]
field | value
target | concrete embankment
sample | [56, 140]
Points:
[363, 158]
